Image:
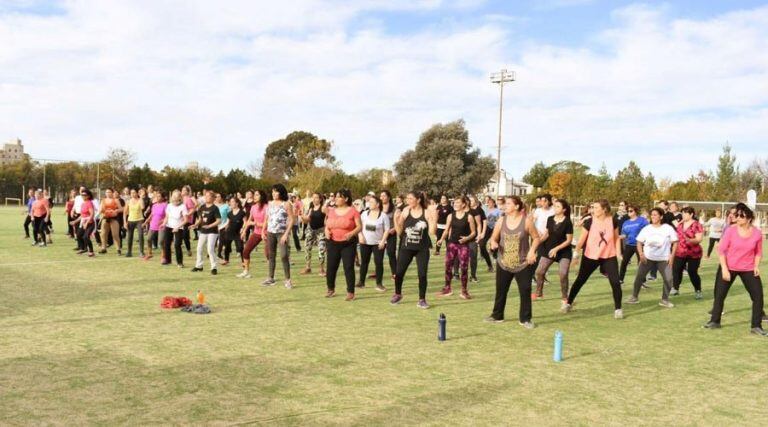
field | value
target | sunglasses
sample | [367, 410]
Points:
[631, 211]
[740, 215]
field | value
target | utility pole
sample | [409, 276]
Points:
[500, 78]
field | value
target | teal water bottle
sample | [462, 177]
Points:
[558, 354]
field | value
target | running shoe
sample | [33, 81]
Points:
[666, 304]
[103, 251]
[674, 292]
[180, 265]
[350, 297]
[288, 284]
[711, 325]
[445, 292]
[699, 295]
[527, 325]
[566, 308]
[196, 269]
[618, 314]
[129, 255]
[473, 280]
[214, 272]
[330, 293]
[268, 282]
[759, 331]
[396, 298]
[491, 319]
[633, 300]
[381, 288]
[465, 295]
[422, 304]
[645, 286]
[244, 275]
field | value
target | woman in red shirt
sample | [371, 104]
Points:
[341, 228]
[740, 250]
[689, 252]
[41, 212]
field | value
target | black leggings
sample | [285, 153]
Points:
[712, 241]
[626, 256]
[404, 259]
[392, 253]
[27, 223]
[378, 262]
[611, 268]
[39, 229]
[340, 253]
[439, 235]
[484, 252]
[228, 240]
[84, 237]
[503, 282]
[690, 264]
[295, 233]
[177, 239]
[754, 287]
[185, 237]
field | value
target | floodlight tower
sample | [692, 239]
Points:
[500, 78]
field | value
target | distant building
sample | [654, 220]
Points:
[508, 187]
[12, 152]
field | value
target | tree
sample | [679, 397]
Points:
[116, 165]
[298, 151]
[557, 184]
[600, 186]
[444, 162]
[632, 186]
[538, 175]
[726, 178]
[141, 176]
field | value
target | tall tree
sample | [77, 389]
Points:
[726, 178]
[632, 186]
[115, 166]
[298, 151]
[444, 162]
[538, 175]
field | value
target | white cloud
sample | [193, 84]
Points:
[187, 81]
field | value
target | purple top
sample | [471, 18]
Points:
[157, 215]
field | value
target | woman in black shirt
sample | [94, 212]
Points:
[557, 248]
[460, 230]
[477, 212]
[235, 220]
[314, 235]
[444, 210]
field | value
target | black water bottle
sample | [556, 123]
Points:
[441, 328]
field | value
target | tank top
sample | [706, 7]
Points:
[316, 218]
[109, 208]
[600, 238]
[416, 233]
[459, 228]
[513, 246]
[134, 210]
[278, 218]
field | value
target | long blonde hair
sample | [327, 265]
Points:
[175, 198]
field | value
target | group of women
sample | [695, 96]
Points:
[349, 234]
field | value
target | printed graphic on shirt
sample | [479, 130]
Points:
[511, 254]
[414, 234]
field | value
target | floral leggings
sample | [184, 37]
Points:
[460, 252]
[314, 238]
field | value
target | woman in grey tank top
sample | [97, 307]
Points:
[516, 238]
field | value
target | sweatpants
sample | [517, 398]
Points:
[135, 227]
[206, 242]
[273, 245]
[314, 238]
[503, 282]
[340, 253]
[378, 262]
[662, 267]
[456, 251]
[692, 266]
[611, 268]
[754, 287]
[404, 259]
[110, 226]
[564, 266]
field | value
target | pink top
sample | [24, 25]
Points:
[258, 213]
[191, 205]
[341, 225]
[86, 212]
[740, 252]
[600, 238]
[157, 216]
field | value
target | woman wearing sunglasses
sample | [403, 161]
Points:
[629, 231]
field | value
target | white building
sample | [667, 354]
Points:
[11, 152]
[508, 187]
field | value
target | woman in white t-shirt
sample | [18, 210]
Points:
[656, 245]
[372, 241]
[176, 216]
[715, 228]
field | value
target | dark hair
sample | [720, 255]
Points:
[283, 193]
[88, 194]
[566, 207]
[744, 209]
[237, 202]
[547, 197]
[262, 197]
[605, 204]
[163, 196]
[346, 194]
[377, 199]
[464, 199]
[664, 201]
[109, 189]
[517, 201]
[688, 210]
[491, 202]
[421, 197]
[322, 198]
[633, 207]
[659, 211]
[391, 206]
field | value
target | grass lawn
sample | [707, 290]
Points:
[83, 341]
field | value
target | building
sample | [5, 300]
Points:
[12, 152]
[508, 186]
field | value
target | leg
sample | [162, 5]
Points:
[626, 256]
[473, 259]
[365, 259]
[129, 236]
[565, 267]
[87, 244]
[178, 238]
[484, 252]
[392, 253]
[422, 267]
[104, 233]
[541, 271]
[523, 279]
[404, 259]
[27, 222]
[378, 261]
[212, 240]
[310, 240]
[721, 292]
[755, 289]
[334, 258]
[321, 248]
[285, 251]
[167, 240]
[666, 276]
[463, 255]
[503, 280]
[186, 238]
[348, 251]
[201, 242]
[678, 265]
[271, 248]
[711, 246]
[451, 252]
[439, 235]
[693, 273]
[587, 267]
[140, 230]
[115, 227]
[642, 272]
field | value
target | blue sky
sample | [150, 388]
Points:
[180, 81]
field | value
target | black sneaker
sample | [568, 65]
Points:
[214, 272]
[128, 255]
[119, 252]
[711, 325]
[196, 269]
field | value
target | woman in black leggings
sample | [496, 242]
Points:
[342, 225]
[689, 252]
[388, 207]
[600, 241]
[414, 227]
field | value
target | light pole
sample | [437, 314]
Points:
[500, 78]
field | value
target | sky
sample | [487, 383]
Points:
[599, 82]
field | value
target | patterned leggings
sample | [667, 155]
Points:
[314, 238]
[460, 252]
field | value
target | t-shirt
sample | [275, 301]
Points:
[541, 216]
[685, 249]
[39, 208]
[235, 221]
[134, 210]
[740, 252]
[209, 215]
[224, 215]
[442, 215]
[109, 208]
[257, 214]
[157, 215]
[340, 225]
[716, 226]
[493, 215]
[479, 216]
[175, 215]
[87, 211]
[657, 241]
[600, 238]
[631, 228]
[557, 234]
[373, 228]
[190, 204]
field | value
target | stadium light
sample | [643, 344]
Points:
[500, 78]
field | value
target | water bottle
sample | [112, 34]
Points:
[558, 355]
[200, 297]
[441, 328]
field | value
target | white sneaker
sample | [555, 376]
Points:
[288, 284]
[618, 314]
[244, 275]
[666, 304]
[674, 292]
[566, 308]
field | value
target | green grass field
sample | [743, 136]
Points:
[83, 341]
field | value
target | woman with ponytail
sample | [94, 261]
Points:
[414, 227]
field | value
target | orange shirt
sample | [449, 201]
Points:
[600, 238]
[38, 208]
[109, 207]
[340, 225]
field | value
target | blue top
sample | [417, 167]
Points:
[224, 210]
[492, 215]
[29, 204]
[631, 229]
